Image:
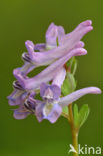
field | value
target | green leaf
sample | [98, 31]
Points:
[81, 116]
[76, 115]
[69, 84]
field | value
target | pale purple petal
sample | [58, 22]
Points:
[17, 97]
[26, 107]
[39, 111]
[50, 92]
[64, 101]
[50, 72]
[48, 57]
[29, 45]
[59, 78]
[40, 47]
[76, 35]
[54, 114]
[80, 44]
[20, 113]
[52, 34]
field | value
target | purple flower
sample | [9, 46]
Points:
[51, 108]
[47, 74]
[26, 107]
[19, 95]
[53, 33]
[67, 42]
[57, 43]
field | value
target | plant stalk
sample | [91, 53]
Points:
[73, 130]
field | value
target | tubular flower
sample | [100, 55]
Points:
[18, 95]
[51, 108]
[48, 73]
[57, 45]
[26, 107]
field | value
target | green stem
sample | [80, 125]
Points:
[74, 130]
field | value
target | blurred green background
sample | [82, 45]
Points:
[22, 20]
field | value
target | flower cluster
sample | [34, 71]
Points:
[58, 49]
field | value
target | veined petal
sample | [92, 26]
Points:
[76, 35]
[54, 113]
[21, 113]
[39, 111]
[48, 73]
[49, 92]
[52, 34]
[29, 45]
[64, 101]
[59, 78]
[17, 97]
[52, 116]
[40, 47]
[26, 107]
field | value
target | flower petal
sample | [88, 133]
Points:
[76, 35]
[80, 44]
[54, 114]
[59, 78]
[40, 47]
[20, 113]
[52, 34]
[17, 97]
[50, 92]
[39, 111]
[64, 101]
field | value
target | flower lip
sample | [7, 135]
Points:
[87, 23]
[29, 105]
[96, 90]
[26, 57]
[17, 85]
[29, 45]
[50, 92]
[81, 51]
